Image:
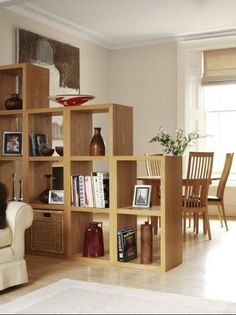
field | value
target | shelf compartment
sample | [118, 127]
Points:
[79, 222]
[8, 167]
[36, 181]
[87, 190]
[136, 223]
[14, 79]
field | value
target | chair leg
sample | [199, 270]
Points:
[207, 223]
[196, 222]
[220, 215]
[224, 217]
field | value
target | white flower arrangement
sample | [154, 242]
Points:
[175, 145]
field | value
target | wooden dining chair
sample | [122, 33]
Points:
[200, 166]
[218, 199]
[194, 203]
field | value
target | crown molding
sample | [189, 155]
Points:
[33, 12]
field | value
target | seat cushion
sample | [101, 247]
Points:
[213, 198]
[5, 237]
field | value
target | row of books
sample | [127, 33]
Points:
[126, 244]
[90, 190]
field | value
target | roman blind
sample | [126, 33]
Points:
[219, 66]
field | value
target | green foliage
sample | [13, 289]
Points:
[175, 145]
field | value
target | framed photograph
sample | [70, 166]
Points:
[142, 196]
[56, 196]
[12, 143]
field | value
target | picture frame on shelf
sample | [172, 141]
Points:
[12, 143]
[56, 196]
[38, 141]
[142, 196]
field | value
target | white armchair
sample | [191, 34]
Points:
[13, 269]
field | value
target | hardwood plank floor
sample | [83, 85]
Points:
[208, 270]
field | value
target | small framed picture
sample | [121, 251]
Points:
[142, 196]
[56, 196]
[12, 143]
[41, 141]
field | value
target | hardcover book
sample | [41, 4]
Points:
[126, 244]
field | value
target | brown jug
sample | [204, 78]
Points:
[97, 145]
[93, 240]
[14, 102]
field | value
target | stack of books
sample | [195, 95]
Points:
[90, 190]
[126, 244]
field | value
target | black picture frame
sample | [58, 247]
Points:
[142, 196]
[37, 142]
[12, 143]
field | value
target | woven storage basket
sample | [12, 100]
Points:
[47, 231]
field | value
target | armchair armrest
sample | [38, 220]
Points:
[19, 218]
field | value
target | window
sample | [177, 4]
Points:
[219, 115]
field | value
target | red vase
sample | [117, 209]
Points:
[97, 145]
[93, 240]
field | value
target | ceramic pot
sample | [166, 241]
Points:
[97, 145]
[14, 102]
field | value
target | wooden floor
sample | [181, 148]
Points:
[208, 270]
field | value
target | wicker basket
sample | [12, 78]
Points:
[47, 231]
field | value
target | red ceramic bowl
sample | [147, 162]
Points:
[71, 99]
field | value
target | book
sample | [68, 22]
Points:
[89, 191]
[101, 189]
[82, 192]
[32, 144]
[96, 191]
[126, 244]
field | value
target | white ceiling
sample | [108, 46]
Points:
[123, 23]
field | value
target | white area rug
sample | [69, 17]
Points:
[78, 297]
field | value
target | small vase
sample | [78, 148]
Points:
[97, 145]
[43, 197]
[14, 102]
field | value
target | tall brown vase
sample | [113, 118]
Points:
[146, 243]
[97, 145]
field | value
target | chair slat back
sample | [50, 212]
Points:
[200, 165]
[195, 193]
[224, 175]
[153, 168]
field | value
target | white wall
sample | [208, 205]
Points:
[146, 78]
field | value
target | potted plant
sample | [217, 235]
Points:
[177, 144]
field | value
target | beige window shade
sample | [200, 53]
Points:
[219, 66]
